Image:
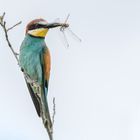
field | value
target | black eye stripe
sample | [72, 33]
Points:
[36, 26]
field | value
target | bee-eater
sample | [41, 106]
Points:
[35, 62]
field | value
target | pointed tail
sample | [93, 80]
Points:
[45, 114]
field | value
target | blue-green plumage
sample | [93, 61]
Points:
[34, 60]
[30, 57]
[31, 60]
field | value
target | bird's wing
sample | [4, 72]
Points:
[46, 74]
[47, 65]
[34, 98]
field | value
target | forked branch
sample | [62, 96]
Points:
[5, 29]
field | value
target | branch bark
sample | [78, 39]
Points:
[3, 25]
[54, 110]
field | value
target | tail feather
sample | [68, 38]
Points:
[46, 114]
[44, 104]
[36, 101]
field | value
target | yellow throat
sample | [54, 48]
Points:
[41, 32]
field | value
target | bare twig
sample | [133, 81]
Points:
[3, 25]
[54, 110]
[14, 26]
[2, 17]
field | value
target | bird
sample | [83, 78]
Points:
[35, 63]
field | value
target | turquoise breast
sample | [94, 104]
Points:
[29, 59]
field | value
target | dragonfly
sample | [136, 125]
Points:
[66, 30]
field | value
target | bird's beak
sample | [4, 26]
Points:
[55, 24]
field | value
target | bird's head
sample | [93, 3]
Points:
[39, 27]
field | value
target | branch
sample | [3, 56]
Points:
[54, 110]
[14, 26]
[3, 25]
[2, 17]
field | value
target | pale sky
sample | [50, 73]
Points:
[96, 83]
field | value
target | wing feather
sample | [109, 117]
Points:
[47, 65]
[34, 98]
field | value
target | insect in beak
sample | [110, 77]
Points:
[55, 24]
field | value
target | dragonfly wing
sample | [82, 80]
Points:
[63, 38]
[66, 43]
[72, 34]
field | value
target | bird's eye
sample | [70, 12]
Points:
[35, 26]
[32, 27]
[39, 26]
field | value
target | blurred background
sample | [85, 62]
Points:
[96, 83]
